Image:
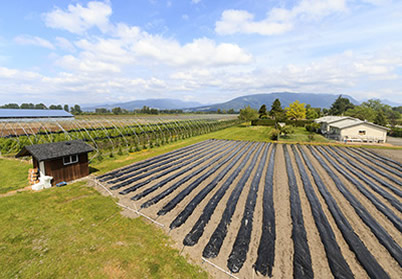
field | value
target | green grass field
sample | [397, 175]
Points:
[13, 174]
[74, 232]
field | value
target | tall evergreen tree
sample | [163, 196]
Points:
[262, 111]
[340, 106]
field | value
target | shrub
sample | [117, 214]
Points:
[120, 152]
[274, 134]
[287, 130]
[313, 127]
[310, 137]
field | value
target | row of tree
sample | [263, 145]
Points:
[372, 110]
[76, 109]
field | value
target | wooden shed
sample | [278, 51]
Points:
[64, 161]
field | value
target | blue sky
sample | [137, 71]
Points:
[91, 52]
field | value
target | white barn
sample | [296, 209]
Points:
[351, 129]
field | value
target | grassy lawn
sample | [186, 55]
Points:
[74, 232]
[13, 174]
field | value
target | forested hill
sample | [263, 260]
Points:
[256, 100]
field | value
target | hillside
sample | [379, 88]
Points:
[256, 100]
[152, 103]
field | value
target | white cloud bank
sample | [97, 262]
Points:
[278, 20]
[34, 41]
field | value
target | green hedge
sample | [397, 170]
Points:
[271, 122]
[395, 132]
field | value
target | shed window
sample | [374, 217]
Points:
[68, 160]
[362, 133]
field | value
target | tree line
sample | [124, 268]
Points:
[372, 110]
[76, 109]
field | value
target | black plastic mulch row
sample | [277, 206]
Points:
[166, 180]
[266, 248]
[177, 164]
[302, 267]
[242, 242]
[368, 173]
[176, 185]
[198, 229]
[382, 235]
[190, 207]
[129, 179]
[362, 189]
[152, 160]
[185, 192]
[363, 255]
[394, 172]
[392, 163]
[214, 244]
[134, 172]
[337, 263]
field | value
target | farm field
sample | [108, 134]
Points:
[260, 209]
[111, 134]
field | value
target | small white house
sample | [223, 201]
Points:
[357, 130]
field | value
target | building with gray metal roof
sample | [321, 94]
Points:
[7, 115]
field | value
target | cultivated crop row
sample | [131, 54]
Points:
[261, 209]
[106, 134]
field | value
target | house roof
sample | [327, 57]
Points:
[354, 122]
[48, 151]
[329, 118]
[33, 113]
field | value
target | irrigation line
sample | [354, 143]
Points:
[302, 267]
[127, 179]
[363, 255]
[172, 188]
[381, 165]
[389, 214]
[188, 210]
[185, 192]
[127, 207]
[266, 248]
[242, 243]
[219, 268]
[382, 235]
[337, 263]
[215, 243]
[369, 173]
[198, 229]
[152, 160]
[385, 160]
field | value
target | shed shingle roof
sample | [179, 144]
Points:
[48, 151]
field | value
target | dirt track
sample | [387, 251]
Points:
[283, 261]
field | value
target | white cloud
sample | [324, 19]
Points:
[65, 44]
[278, 20]
[195, 1]
[33, 40]
[78, 19]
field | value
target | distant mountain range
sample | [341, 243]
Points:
[319, 100]
[152, 103]
[286, 98]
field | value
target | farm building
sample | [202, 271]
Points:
[326, 121]
[344, 128]
[10, 115]
[64, 161]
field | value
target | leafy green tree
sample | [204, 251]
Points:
[11, 106]
[248, 114]
[101, 111]
[231, 111]
[117, 110]
[362, 112]
[340, 106]
[27, 106]
[296, 111]
[76, 109]
[262, 111]
[66, 108]
[40, 106]
[380, 119]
